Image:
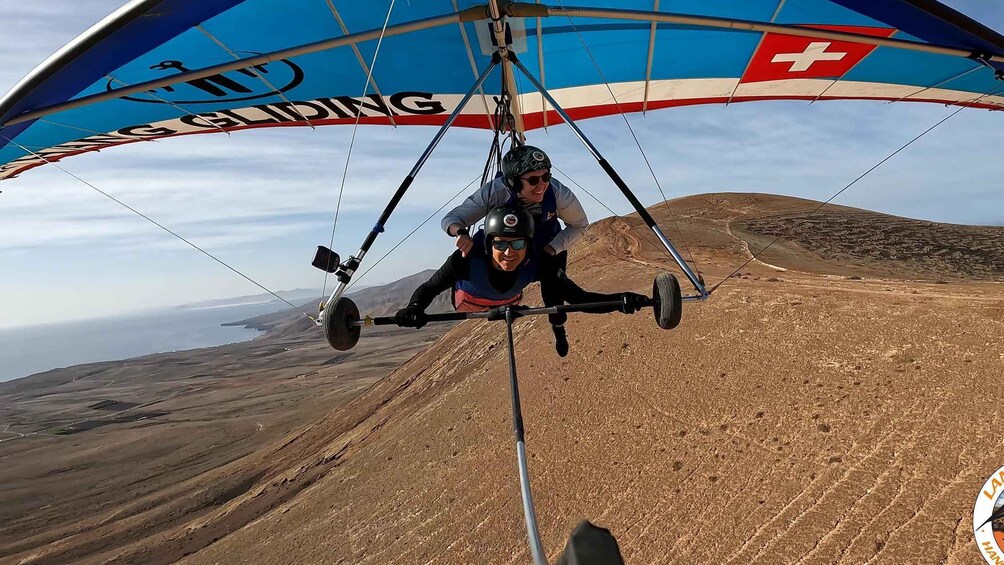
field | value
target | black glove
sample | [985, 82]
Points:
[411, 317]
[631, 302]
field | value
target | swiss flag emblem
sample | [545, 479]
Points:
[781, 57]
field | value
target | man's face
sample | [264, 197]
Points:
[533, 185]
[508, 257]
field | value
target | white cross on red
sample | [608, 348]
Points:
[814, 52]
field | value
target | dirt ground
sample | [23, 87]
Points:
[105, 455]
[830, 404]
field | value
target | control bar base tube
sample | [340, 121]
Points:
[347, 268]
[645, 216]
[496, 313]
[524, 475]
[536, 547]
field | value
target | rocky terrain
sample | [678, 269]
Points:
[834, 402]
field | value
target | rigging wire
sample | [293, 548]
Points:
[644, 234]
[90, 131]
[583, 189]
[502, 118]
[257, 74]
[504, 121]
[850, 184]
[641, 150]
[418, 227]
[352, 141]
[174, 105]
[159, 225]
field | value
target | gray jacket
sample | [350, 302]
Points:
[495, 193]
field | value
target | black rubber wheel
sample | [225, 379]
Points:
[668, 306]
[339, 324]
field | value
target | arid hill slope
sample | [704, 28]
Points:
[835, 238]
[817, 414]
[792, 418]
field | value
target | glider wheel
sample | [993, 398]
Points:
[668, 302]
[339, 324]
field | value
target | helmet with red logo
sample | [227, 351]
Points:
[507, 221]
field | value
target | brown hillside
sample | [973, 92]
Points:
[791, 417]
[798, 416]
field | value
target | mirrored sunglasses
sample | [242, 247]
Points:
[501, 245]
[535, 179]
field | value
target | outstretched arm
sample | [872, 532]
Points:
[574, 294]
[454, 269]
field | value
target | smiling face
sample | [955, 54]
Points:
[534, 193]
[508, 258]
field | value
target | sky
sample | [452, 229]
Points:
[262, 200]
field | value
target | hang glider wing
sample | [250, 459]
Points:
[160, 68]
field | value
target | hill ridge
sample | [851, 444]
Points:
[787, 403]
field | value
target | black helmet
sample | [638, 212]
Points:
[521, 160]
[507, 221]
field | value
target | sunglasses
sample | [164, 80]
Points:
[535, 179]
[517, 244]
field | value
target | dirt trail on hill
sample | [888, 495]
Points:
[794, 418]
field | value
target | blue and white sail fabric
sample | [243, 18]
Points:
[159, 68]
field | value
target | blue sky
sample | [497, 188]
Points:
[262, 200]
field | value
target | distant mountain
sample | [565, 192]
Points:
[387, 299]
[295, 296]
[383, 300]
[825, 345]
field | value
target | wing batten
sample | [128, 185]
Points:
[246, 68]
[763, 27]
[99, 48]
[235, 65]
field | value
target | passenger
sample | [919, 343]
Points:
[501, 262]
[526, 182]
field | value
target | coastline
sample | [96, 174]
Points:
[31, 350]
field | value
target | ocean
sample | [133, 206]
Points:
[33, 349]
